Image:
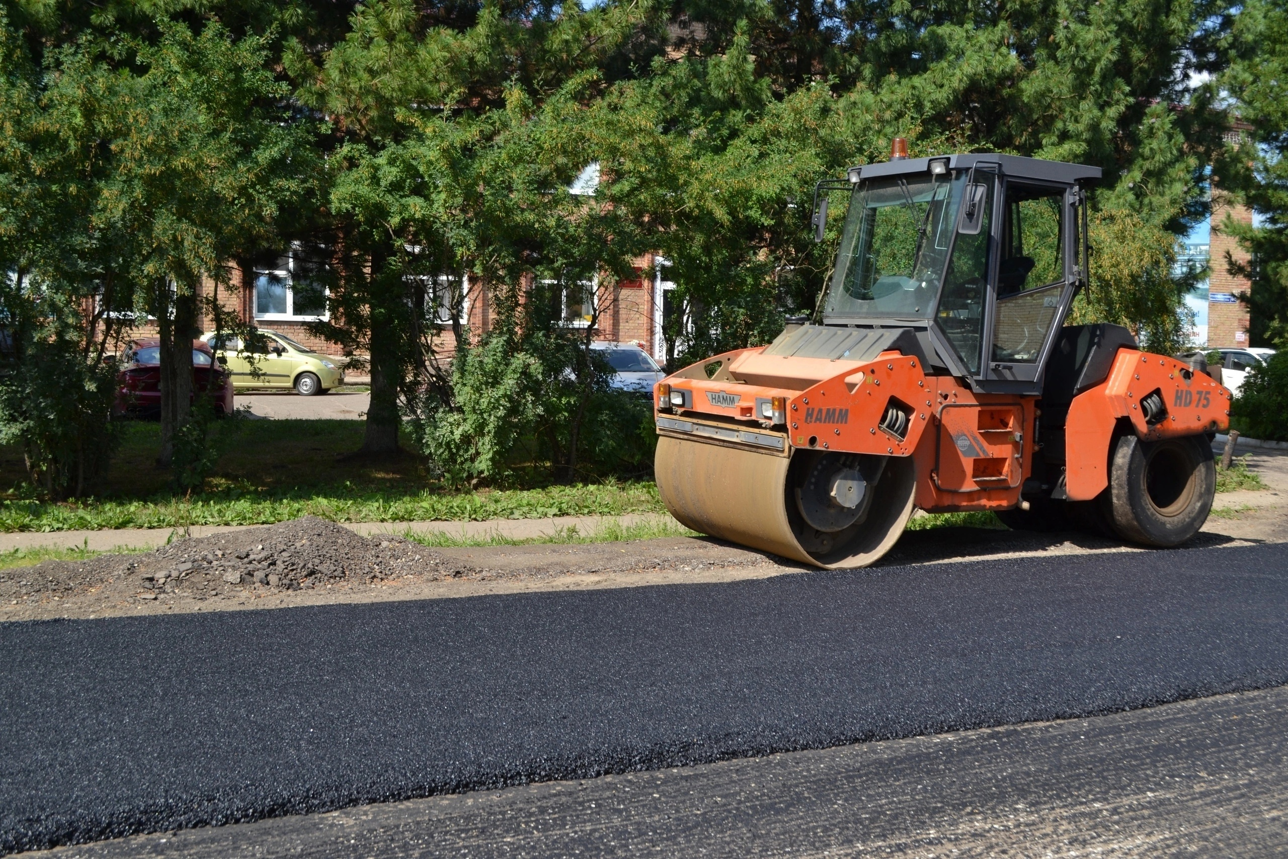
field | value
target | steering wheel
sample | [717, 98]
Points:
[1017, 349]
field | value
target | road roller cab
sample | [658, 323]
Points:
[926, 385]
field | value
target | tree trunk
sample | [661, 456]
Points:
[177, 335]
[382, 414]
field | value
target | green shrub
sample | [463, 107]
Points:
[540, 403]
[620, 437]
[470, 430]
[200, 443]
[1263, 399]
[58, 406]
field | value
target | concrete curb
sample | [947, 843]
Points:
[141, 539]
[1254, 443]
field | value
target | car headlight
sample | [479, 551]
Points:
[327, 364]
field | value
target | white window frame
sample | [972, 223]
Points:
[591, 296]
[438, 309]
[661, 287]
[287, 277]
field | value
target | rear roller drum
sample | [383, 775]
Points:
[820, 508]
[1160, 492]
[847, 510]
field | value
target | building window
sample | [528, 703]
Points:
[671, 314]
[577, 306]
[290, 288]
[447, 295]
[587, 181]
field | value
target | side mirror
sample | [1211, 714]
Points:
[278, 350]
[971, 219]
[820, 220]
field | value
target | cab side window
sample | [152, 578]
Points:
[961, 304]
[1031, 276]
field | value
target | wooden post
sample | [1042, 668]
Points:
[1227, 456]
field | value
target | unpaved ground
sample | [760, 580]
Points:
[311, 561]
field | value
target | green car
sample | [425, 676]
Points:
[280, 361]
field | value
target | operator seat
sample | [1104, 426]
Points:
[1012, 274]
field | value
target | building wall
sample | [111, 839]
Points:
[632, 308]
[627, 313]
[1228, 318]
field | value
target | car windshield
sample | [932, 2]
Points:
[894, 246]
[152, 355]
[630, 361]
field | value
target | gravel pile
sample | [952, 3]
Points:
[301, 554]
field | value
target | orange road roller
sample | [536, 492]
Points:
[942, 378]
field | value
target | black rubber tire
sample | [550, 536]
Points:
[308, 385]
[1160, 492]
[1044, 516]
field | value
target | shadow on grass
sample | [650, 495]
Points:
[272, 471]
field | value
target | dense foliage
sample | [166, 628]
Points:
[1263, 399]
[426, 152]
[1255, 167]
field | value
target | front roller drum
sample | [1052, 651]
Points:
[827, 510]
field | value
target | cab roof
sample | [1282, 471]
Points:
[1013, 166]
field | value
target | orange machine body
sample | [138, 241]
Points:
[1194, 403]
[972, 451]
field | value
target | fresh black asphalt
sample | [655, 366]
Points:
[116, 726]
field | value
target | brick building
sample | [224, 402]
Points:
[1229, 319]
[277, 296]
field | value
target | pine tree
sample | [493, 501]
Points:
[1256, 164]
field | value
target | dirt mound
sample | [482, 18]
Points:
[301, 554]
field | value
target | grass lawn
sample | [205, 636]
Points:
[30, 557]
[272, 471]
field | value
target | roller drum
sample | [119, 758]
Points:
[749, 497]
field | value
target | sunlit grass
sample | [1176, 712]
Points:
[971, 519]
[15, 558]
[1238, 476]
[610, 531]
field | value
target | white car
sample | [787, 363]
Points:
[1237, 363]
[636, 371]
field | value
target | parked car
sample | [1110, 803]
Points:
[1238, 362]
[635, 370]
[138, 389]
[282, 363]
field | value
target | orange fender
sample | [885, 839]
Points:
[1193, 403]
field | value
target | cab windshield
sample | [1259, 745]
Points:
[894, 247]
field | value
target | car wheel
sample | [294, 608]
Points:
[307, 385]
[1160, 492]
